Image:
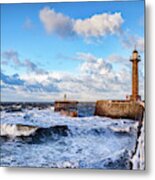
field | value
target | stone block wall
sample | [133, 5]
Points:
[119, 109]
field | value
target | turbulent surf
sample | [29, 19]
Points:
[39, 137]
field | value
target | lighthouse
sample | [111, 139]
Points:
[135, 81]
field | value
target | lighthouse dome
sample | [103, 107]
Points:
[135, 51]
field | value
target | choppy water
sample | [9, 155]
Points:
[43, 138]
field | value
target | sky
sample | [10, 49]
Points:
[81, 49]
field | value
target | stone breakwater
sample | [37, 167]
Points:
[120, 109]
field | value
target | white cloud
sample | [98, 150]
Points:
[96, 80]
[56, 22]
[95, 26]
[99, 25]
[96, 67]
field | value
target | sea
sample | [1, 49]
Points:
[36, 136]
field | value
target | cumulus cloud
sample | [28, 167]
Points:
[99, 25]
[56, 22]
[96, 79]
[93, 65]
[104, 78]
[39, 87]
[101, 76]
[96, 26]
[15, 82]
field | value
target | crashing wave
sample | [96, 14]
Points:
[14, 130]
[57, 141]
[18, 130]
[120, 129]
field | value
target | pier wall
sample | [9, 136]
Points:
[65, 105]
[68, 108]
[119, 109]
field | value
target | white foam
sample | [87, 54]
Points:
[13, 130]
[90, 140]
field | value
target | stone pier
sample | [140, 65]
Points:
[66, 107]
[120, 109]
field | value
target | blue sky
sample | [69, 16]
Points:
[59, 42]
